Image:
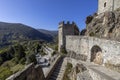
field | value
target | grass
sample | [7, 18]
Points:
[67, 71]
[4, 73]
[8, 68]
[3, 50]
[17, 68]
[53, 46]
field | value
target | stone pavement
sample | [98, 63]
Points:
[102, 71]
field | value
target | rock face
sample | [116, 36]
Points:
[79, 72]
[105, 25]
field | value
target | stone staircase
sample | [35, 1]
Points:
[59, 70]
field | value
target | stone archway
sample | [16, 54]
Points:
[96, 55]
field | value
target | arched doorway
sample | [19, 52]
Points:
[96, 55]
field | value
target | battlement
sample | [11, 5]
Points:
[66, 28]
[67, 23]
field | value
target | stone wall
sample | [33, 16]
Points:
[31, 72]
[116, 4]
[107, 5]
[97, 76]
[89, 71]
[110, 50]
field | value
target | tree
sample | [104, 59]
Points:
[19, 53]
[31, 58]
[1, 60]
[11, 51]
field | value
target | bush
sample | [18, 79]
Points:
[53, 53]
[92, 34]
[67, 71]
[11, 51]
[63, 50]
[1, 60]
[19, 53]
[89, 19]
[56, 47]
[4, 73]
[22, 61]
[83, 32]
[31, 58]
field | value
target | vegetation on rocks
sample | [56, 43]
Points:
[63, 50]
[67, 71]
[113, 66]
[54, 52]
[105, 25]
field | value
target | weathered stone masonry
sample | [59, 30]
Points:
[66, 29]
[108, 5]
[104, 50]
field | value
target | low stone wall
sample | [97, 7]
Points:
[73, 55]
[93, 72]
[96, 76]
[31, 72]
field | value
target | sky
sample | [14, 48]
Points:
[46, 14]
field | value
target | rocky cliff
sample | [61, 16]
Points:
[105, 25]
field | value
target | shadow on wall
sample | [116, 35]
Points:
[31, 72]
[73, 55]
[96, 55]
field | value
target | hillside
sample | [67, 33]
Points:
[17, 31]
[48, 32]
[105, 25]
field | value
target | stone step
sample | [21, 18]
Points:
[57, 72]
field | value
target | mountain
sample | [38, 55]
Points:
[105, 25]
[18, 31]
[48, 32]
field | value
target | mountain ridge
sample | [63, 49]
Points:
[18, 31]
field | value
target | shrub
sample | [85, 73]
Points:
[83, 32]
[1, 60]
[67, 71]
[89, 19]
[4, 73]
[53, 53]
[63, 50]
[22, 61]
[31, 58]
[19, 53]
[56, 47]
[11, 51]
[92, 34]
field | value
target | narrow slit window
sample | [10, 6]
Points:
[105, 4]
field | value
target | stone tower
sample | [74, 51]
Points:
[66, 29]
[107, 5]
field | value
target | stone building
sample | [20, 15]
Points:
[107, 5]
[66, 29]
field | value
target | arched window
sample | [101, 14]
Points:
[105, 4]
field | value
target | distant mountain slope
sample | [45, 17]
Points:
[48, 32]
[17, 31]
